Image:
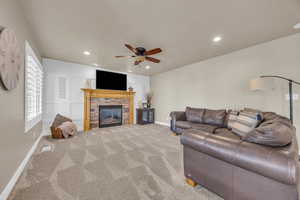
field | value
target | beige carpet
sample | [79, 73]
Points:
[118, 163]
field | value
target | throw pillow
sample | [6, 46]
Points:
[246, 122]
[232, 117]
[255, 111]
[194, 114]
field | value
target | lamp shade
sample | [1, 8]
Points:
[257, 84]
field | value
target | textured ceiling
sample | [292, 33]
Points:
[183, 29]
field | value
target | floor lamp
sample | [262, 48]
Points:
[290, 81]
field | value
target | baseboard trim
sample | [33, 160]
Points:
[11, 184]
[162, 123]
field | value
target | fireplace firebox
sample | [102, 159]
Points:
[110, 115]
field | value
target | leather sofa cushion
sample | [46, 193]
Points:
[204, 127]
[276, 132]
[178, 115]
[280, 164]
[194, 114]
[284, 121]
[190, 125]
[183, 124]
[269, 115]
[214, 117]
[225, 132]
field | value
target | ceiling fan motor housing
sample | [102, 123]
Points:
[140, 51]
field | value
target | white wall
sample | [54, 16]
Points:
[222, 82]
[76, 75]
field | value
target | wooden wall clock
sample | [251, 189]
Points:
[10, 59]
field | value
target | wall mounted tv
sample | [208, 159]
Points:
[110, 80]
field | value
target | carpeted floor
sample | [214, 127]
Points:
[118, 163]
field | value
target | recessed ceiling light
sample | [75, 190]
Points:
[129, 70]
[217, 39]
[87, 53]
[297, 26]
[147, 67]
[95, 64]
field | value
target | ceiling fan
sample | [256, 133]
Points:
[141, 54]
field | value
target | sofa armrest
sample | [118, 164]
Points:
[178, 115]
[262, 160]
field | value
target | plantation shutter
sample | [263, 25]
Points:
[33, 89]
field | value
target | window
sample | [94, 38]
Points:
[33, 89]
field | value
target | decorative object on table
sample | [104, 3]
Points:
[140, 103]
[10, 59]
[88, 84]
[257, 84]
[149, 98]
[145, 105]
[130, 89]
[62, 127]
[145, 116]
[141, 54]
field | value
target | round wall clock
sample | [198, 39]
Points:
[10, 59]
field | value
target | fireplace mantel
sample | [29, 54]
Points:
[96, 93]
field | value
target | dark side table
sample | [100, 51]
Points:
[145, 116]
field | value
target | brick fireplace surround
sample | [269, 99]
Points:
[94, 98]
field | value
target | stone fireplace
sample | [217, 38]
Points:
[110, 101]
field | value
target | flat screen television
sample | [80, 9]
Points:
[110, 80]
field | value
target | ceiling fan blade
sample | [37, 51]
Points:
[137, 62]
[153, 59]
[125, 56]
[153, 51]
[131, 48]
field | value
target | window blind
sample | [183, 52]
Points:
[33, 89]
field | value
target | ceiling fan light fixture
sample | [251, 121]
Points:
[140, 58]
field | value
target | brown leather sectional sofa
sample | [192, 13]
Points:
[224, 163]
